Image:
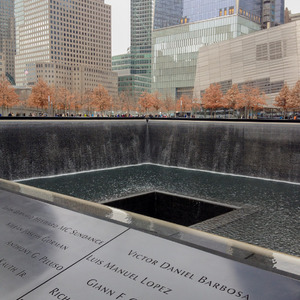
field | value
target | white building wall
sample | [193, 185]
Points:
[271, 54]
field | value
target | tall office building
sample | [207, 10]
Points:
[182, 27]
[141, 37]
[133, 84]
[134, 68]
[141, 25]
[67, 43]
[272, 13]
[168, 13]
[7, 40]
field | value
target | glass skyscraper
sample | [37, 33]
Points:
[174, 12]
[141, 36]
[182, 27]
[272, 13]
[167, 34]
[134, 68]
[167, 13]
[141, 25]
[175, 51]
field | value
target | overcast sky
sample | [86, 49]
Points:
[121, 22]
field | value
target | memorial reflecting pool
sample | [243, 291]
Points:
[273, 224]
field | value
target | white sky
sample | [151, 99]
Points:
[121, 22]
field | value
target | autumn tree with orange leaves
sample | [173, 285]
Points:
[76, 102]
[87, 100]
[184, 104]
[252, 100]
[156, 102]
[294, 102]
[283, 100]
[125, 102]
[101, 99]
[145, 101]
[169, 104]
[63, 101]
[213, 98]
[8, 96]
[232, 97]
[40, 95]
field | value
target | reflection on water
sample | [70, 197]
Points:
[275, 225]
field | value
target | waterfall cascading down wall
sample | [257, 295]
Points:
[40, 148]
[266, 150]
[49, 147]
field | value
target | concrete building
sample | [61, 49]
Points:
[7, 40]
[67, 43]
[295, 17]
[181, 28]
[265, 59]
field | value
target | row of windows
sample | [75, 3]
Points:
[96, 57]
[263, 84]
[34, 20]
[249, 15]
[34, 55]
[224, 12]
[35, 13]
[83, 17]
[33, 6]
[25, 51]
[37, 26]
[31, 41]
[96, 29]
[93, 40]
[82, 12]
[23, 59]
[35, 45]
[43, 31]
[81, 3]
[83, 45]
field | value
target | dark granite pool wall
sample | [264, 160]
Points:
[267, 150]
[39, 148]
[48, 147]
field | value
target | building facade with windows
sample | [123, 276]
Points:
[134, 68]
[174, 12]
[175, 51]
[182, 27]
[7, 40]
[67, 43]
[141, 36]
[266, 59]
[133, 84]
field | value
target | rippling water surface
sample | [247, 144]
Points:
[276, 224]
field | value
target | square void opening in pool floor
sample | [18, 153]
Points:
[172, 208]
